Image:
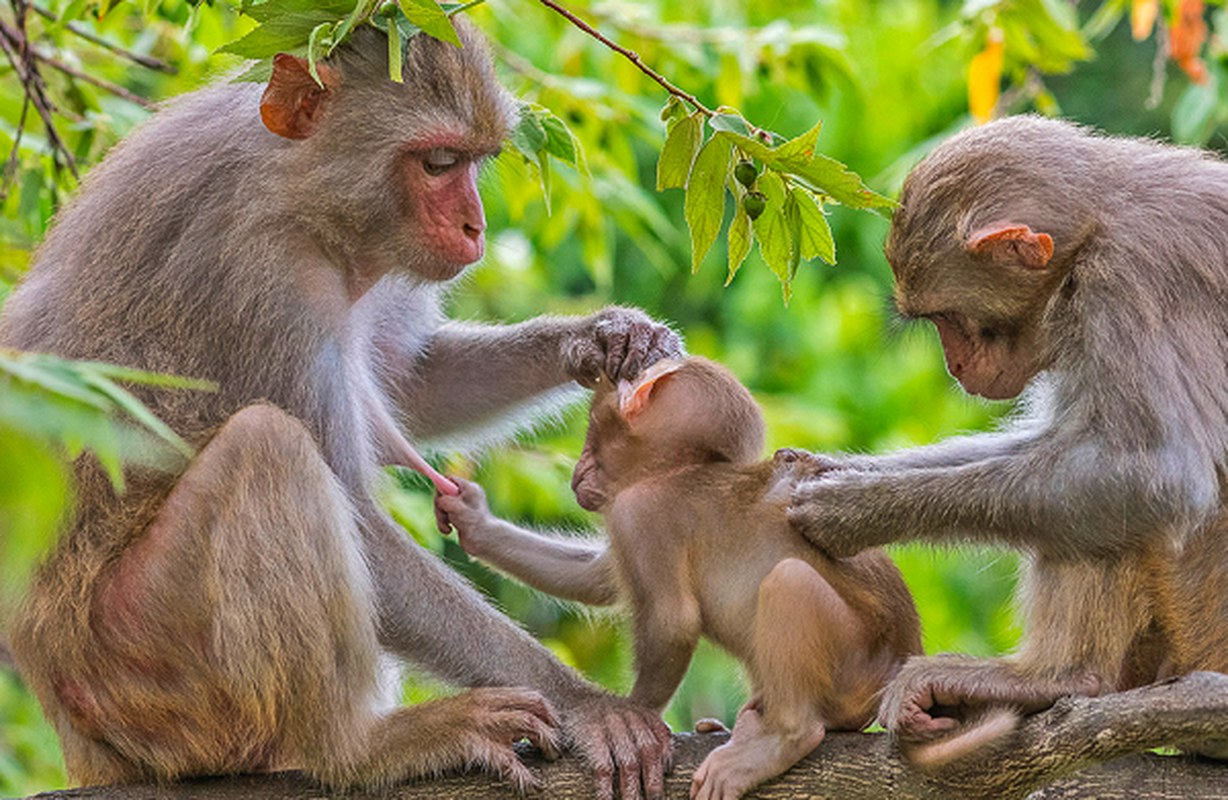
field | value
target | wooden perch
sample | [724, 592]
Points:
[1103, 737]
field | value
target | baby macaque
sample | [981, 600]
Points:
[699, 545]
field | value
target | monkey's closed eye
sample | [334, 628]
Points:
[439, 161]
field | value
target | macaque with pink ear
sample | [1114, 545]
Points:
[698, 545]
[293, 243]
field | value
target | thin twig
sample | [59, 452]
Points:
[149, 62]
[16, 47]
[106, 85]
[10, 164]
[631, 56]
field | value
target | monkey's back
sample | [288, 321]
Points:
[735, 518]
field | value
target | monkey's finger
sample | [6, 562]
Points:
[626, 757]
[616, 354]
[503, 761]
[640, 350]
[513, 726]
[653, 755]
[597, 753]
[441, 519]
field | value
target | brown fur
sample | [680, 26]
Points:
[1094, 270]
[699, 545]
[228, 617]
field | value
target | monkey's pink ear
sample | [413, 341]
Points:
[291, 102]
[1009, 241]
[633, 397]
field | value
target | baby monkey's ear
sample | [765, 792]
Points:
[633, 397]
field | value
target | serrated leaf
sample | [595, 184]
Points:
[793, 222]
[833, 179]
[801, 150]
[772, 231]
[705, 196]
[731, 123]
[741, 235]
[751, 146]
[278, 35]
[773, 188]
[543, 169]
[432, 20]
[396, 53]
[815, 239]
[265, 10]
[678, 152]
[559, 141]
[529, 135]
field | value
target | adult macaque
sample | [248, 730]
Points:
[699, 545]
[229, 618]
[1095, 269]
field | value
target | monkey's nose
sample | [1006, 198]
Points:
[474, 232]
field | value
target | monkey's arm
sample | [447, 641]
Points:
[1059, 497]
[472, 375]
[569, 568]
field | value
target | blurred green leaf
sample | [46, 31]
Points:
[427, 16]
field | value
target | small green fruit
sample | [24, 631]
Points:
[753, 204]
[388, 10]
[746, 173]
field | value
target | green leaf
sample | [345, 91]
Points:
[741, 234]
[543, 168]
[119, 373]
[674, 110]
[559, 141]
[800, 150]
[772, 227]
[1196, 114]
[317, 47]
[793, 222]
[731, 123]
[833, 179]
[362, 9]
[678, 152]
[815, 239]
[396, 53]
[138, 411]
[529, 135]
[279, 35]
[432, 20]
[705, 196]
[1104, 19]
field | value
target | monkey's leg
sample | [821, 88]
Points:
[238, 634]
[1084, 618]
[804, 636]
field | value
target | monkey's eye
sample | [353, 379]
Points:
[989, 334]
[439, 161]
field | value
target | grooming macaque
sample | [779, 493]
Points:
[229, 618]
[1094, 271]
[699, 545]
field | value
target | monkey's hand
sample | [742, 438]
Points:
[468, 513]
[624, 743]
[619, 343]
[801, 464]
[944, 707]
[834, 509]
[479, 727]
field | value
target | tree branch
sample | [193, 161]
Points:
[1076, 734]
[145, 61]
[631, 56]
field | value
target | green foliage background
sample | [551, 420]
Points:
[832, 370]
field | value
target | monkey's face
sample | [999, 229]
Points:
[442, 212]
[995, 363]
[605, 447]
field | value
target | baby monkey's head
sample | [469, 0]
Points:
[677, 413]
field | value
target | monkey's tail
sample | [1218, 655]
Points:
[993, 724]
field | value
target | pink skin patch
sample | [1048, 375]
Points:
[443, 203]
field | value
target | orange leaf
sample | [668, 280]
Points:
[1143, 18]
[985, 78]
[1186, 37]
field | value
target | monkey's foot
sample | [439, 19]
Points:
[750, 757]
[943, 707]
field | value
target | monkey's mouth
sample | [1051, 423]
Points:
[586, 483]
